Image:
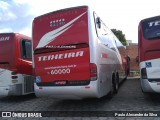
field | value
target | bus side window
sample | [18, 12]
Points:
[108, 37]
[103, 33]
[120, 46]
[26, 50]
[101, 29]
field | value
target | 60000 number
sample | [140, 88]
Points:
[60, 71]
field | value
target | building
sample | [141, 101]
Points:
[132, 50]
[129, 41]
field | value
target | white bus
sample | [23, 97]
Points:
[76, 56]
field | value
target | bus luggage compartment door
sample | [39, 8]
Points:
[63, 68]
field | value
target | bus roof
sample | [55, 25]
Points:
[60, 10]
[150, 18]
[14, 33]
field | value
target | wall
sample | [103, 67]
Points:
[132, 51]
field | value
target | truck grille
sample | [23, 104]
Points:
[28, 84]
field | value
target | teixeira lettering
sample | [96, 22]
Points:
[61, 56]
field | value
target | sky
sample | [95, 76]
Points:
[124, 15]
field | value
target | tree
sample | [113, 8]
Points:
[119, 34]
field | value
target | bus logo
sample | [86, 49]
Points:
[154, 23]
[61, 56]
[148, 64]
[56, 23]
[38, 79]
[4, 38]
[60, 82]
[52, 35]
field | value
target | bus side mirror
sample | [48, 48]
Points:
[98, 22]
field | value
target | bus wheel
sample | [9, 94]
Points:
[116, 83]
[110, 95]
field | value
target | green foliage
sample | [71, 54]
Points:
[119, 34]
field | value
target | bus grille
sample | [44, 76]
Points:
[28, 84]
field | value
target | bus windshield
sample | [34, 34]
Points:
[151, 29]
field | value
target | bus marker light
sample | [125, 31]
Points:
[14, 81]
[87, 87]
[104, 55]
[40, 88]
[158, 83]
[14, 77]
